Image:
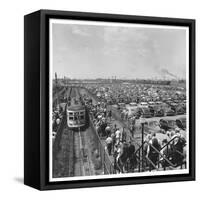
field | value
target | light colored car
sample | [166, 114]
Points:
[152, 103]
[153, 125]
[133, 104]
[144, 104]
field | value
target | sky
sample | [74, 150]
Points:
[103, 51]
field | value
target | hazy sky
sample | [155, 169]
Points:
[93, 51]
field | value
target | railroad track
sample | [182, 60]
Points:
[71, 157]
[82, 164]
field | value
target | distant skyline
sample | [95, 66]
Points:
[103, 51]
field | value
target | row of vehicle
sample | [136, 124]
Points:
[153, 109]
[119, 93]
[166, 124]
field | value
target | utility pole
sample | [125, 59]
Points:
[142, 140]
[56, 80]
[142, 145]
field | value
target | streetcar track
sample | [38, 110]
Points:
[78, 161]
[82, 164]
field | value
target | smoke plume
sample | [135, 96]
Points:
[165, 72]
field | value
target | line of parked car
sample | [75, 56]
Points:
[154, 109]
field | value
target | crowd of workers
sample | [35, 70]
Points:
[169, 152]
[115, 138]
[57, 116]
[123, 151]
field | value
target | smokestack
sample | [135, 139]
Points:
[165, 72]
[56, 78]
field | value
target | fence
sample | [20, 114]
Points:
[106, 163]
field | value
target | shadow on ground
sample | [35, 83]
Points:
[19, 180]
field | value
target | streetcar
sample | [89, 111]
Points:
[76, 114]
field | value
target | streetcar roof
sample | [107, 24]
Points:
[76, 108]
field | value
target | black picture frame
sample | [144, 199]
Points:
[36, 98]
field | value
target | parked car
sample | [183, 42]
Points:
[145, 112]
[158, 112]
[152, 125]
[167, 124]
[174, 106]
[170, 112]
[121, 106]
[136, 112]
[181, 122]
[169, 102]
[144, 104]
[159, 103]
[151, 103]
[133, 104]
[180, 111]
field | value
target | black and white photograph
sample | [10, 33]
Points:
[99, 100]
[119, 100]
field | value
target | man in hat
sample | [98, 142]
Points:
[152, 150]
[132, 156]
[117, 136]
[164, 152]
[123, 135]
[177, 148]
[109, 144]
[110, 115]
[115, 128]
[107, 131]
